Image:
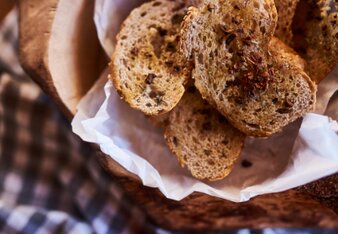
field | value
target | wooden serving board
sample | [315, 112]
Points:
[60, 51]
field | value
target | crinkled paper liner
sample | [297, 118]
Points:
[305, 151]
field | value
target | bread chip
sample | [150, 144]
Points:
[285, 49]
[146, 69]
[202, 139]
[257, 85]
[316, 36]
[286, 10]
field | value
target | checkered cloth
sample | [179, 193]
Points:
[50, 181]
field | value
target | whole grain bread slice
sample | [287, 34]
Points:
[286, 11]
[256, 84]
[285, 49]
[146, 68]
[316, 36]
[202, 139]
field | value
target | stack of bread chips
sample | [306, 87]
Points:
[211, 72]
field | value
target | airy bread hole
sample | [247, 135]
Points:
[225, 142]
[185, 158]
[157, 4]
[175, 140]
[274, 15]
[207, 152]
[195, 140]
[196, 164]
[251, 125]
[283, 111]
[211, 162]
[177, 19]
[267, 7]
[200, 58]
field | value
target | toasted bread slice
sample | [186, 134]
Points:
[286, 11]
[202, 139]
[227, 20]
[146, 69]
[285, 49]
[316, 36]
[257, 85]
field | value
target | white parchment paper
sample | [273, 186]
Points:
[305, 151]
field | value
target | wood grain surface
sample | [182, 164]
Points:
[308, 206]
[59, 48]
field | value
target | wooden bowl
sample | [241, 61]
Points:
[6, 6]
[60, 50]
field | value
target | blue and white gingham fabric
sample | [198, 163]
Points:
[50, 181]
